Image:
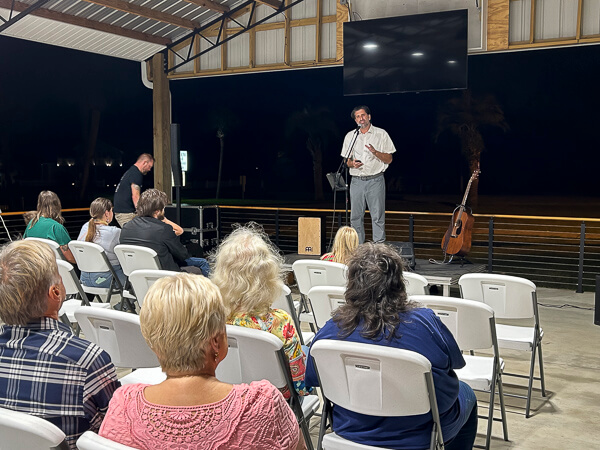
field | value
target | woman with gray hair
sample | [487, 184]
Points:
[183, 322]
[378, 312]
[249, 271]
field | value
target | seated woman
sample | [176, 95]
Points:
[183, 322]
[345, 242]
[98, 231]
[378, 312]
[47, 223]
[248, 270]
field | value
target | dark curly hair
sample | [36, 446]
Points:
[376, 295]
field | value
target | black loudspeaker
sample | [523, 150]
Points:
[175, 160]
[407, 251]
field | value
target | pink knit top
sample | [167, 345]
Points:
[251, 416]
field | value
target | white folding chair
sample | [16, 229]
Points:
[286, 303]
[120, 335]
[21, 431]
[53, 245]
[324, 300]
[374, 380]
[91, 441]
[258, 355]
[310, 273]
[135, 257]
[91, 257]
[141, 280]
[473, 326]
[511, 298]
[415, 284]
[76, 294]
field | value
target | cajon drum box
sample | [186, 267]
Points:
[309, 236]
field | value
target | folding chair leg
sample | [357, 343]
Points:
[323, 427]
[488, 435]
[502, 408]
[541, 363]
[530, 387]
[306, 434]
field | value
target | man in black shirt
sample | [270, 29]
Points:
[129, 188]
[148, 229]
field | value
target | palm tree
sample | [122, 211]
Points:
[319, 128]
[223, 120]
[465, 117]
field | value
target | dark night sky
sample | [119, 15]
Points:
[47, 94]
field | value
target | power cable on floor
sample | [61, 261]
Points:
[567, 305]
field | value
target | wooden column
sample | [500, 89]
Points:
[497, 25]
[161, 101]
[341, 13]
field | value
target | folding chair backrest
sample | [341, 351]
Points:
[136, 257]
[374, 380]
[90, 257]
[91, 441]
[415, 284]
[70, 280]
[324, 300]
[53, 245]
[141, 280]
[119, 334]
[21, 431]
[252, 356]
[310, 273]
[282, 302]
[510, 297]
[470, 322]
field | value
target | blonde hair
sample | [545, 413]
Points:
[97, 210]
[345, 242]
[27, 271]
[48, 205]
[248, 270]
[180, 315]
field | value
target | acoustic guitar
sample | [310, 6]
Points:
[457, 240]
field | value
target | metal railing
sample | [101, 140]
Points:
[559, 252]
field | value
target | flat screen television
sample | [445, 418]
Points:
[422, 52]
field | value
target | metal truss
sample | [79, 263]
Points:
[12, 20]
[198, 33]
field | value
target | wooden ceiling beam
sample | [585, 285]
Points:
[213, 6]
[86, 23]
[148, 13]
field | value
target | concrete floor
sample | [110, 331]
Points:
[569, 417]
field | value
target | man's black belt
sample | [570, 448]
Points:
[368, 177]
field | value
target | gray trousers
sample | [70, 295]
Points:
[368, 194]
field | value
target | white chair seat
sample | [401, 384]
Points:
[310, 405]
[69, 307]
[307, 337]
[332, 441]
[478, 373]
[516, 338]
[151, 375]
[21, 431]
[307, 317]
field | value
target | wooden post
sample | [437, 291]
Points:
[161, 101]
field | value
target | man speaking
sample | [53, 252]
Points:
[369, 151]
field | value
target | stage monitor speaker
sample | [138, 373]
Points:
[310, 236]
[407, 251]
[175, 159]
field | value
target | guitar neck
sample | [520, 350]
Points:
[464, 200]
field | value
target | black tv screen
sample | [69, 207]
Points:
[422, 52]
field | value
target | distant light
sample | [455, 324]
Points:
[120, 165]
[417, 54]
[108, 164]
[57, 164]
[72, 184]
[451, 62]
[370, 46]
[115, 185]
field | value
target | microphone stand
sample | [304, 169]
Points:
[344, 164]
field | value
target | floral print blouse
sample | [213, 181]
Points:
[279, 323]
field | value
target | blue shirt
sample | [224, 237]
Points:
[47, 371]
[423, 332]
